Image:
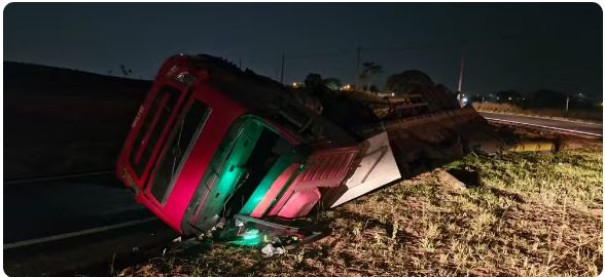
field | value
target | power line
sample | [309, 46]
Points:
[355, 54]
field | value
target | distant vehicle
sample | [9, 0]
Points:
[218, 152]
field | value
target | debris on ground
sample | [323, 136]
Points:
[468, 174]
[269, 250]
[510, 226]
[448, 181]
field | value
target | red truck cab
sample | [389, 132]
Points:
[211, 141]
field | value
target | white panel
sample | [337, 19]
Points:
[376, 169]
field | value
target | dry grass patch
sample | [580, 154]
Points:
[532, 217]
[582, 115]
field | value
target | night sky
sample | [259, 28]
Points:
[505, 46]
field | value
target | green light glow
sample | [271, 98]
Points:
[240, 153]
[251, 234]
[241, 145]
[250, 238]
[259, 193]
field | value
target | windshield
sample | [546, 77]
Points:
[152, 126]
[179, 145]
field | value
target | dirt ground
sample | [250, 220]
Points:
[594, 115]
[531, 214]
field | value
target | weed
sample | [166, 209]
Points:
[531, 217]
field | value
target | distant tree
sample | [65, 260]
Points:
[582, 101]
[126, 71]
[370, 69]
[123, 69]
[476, 98]
[313, 80]
[406, 82]
[509, 96]
[332, 83]
[546, 98]
[374, 88]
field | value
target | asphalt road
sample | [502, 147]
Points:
[41, 209]
[554, 125]
[69, 226]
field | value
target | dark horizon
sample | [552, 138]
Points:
[519, 46]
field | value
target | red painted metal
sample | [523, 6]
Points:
[223, 114]
[221, 118]
[272, 193]
[160, 81]
[300, 204]
[325, 168]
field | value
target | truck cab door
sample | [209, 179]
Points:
[326, 168]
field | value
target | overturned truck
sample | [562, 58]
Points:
[217, 152]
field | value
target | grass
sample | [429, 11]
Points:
[533, 215]
[583, 115]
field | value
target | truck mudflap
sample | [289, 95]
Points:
[376, 168]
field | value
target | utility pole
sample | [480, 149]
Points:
[567, 104]
[283, 63]
[357, 70]
[461, 75]
[240, 63]
[459, 95]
